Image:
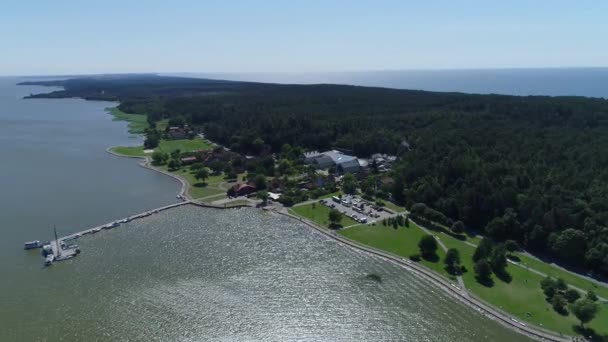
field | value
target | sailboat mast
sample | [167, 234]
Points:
[56, 240]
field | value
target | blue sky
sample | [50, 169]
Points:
[64, 36]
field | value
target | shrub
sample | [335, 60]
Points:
[572, 295]
[415, 257]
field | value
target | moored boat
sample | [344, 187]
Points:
[48, 261]
[32, 244]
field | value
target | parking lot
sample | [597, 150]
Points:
[357, 208]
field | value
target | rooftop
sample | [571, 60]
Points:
[339, 157]
[312, 154]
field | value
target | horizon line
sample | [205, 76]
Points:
[161, 73]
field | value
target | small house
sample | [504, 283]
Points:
[241, 189]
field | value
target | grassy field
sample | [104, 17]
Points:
[167, 146]
[162, 124]
[319, 214]
[522, 297]
[184, 145]
[199, 189]
[570, 278]
[137, 122]
[392, 206]
[134, 151]
[401, 241]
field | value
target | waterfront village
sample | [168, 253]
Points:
[287, 177]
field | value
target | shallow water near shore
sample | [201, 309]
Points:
[187, 274]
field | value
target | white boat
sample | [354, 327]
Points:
[48, 261]
[32, 244]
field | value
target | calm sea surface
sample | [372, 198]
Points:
[188, 274]
[592, 82]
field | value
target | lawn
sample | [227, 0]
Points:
[199, 189]
[521, 296]
[392, 206]
[168, 146]
[401, 241]
[319, 213]
[137, 122]
[134, 151]
[184, 145]
[553, 271]
[162, 124]
[570, 278]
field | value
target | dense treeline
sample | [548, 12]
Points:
[530, 169]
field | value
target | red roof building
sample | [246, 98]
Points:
[241, 189]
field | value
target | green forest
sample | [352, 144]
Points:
[530, 169]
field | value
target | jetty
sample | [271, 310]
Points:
[63, 248]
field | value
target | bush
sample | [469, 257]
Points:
[427, 246]
[591, 296]
[571, 295]
[159, 158]
[549, 286]
[561, 284]
[421, 210]
[415, 257]
[483, 272]
[559, 304]
[457, 227]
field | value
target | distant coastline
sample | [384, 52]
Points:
[575, 81]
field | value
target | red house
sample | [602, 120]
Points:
[241, 189]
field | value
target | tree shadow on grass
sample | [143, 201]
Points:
[562, 311]
[200, 185]
[589, 333]
[455, 271]
[487, 282]
[431, 257]
[504, 276]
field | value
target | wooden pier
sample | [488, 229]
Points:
[63, 248]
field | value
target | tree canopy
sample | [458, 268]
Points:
[585, 310]
[335, 217]
[428, 246]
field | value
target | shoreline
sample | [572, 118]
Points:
[146, 163]
[422, 272]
